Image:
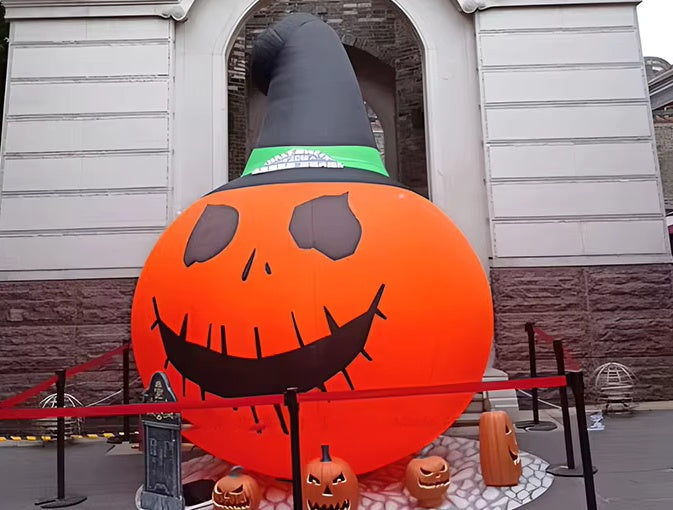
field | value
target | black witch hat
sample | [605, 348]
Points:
[316, 127]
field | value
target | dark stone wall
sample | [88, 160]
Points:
[54, 324]
[238, 108]
[377, 27]
[601, 313]
[410, 112]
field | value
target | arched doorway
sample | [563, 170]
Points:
[386, 56]
[446, 65]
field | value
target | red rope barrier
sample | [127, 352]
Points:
[543, 336]
[134, 409]
[176, 407]
[44, 385]
[571, 362]
[520, 384]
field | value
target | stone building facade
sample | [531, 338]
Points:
[47, 325]
[601, 313]
[532, 123]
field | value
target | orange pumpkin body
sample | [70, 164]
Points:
[329, 484]
[427, 480]
[498, 450]
[236, 491]
[411, 284]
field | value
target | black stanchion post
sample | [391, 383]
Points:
[530, 331]
[576, 382]
[535, 423]
[125, 390]
[293, 408]
[529, 327]
[569, 469]
[61, 501]
[565, 412]
[60, 436]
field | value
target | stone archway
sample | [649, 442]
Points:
[451, 115]
[387, 59]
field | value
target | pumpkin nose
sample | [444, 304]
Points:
[327, 491]
[248, 266]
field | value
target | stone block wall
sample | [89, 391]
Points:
[601, 313]
[49, 325]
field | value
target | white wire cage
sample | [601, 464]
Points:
[48, 426]
[616, 387]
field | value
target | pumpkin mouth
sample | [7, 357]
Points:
[515, 456]
[227, 376]
[245, 505]
[433, 485]
[344, 505]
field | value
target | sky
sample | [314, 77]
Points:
[655, 18]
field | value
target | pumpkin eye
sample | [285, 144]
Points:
[425, 472]
[237, 490]
[339, 479]
[326, 224]
[508, 431]
[312, 479]
[212, 233]
[444, 468]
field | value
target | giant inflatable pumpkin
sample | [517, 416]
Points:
[313, 270]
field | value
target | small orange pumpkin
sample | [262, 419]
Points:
[330, 484]
[236, 491]
[428, 480]
[498, 450]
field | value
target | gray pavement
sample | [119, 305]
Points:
[634, 456]
[93, 469]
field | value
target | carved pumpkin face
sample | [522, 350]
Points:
[319, 286]
[428, 480]
[236, 491]
[498, 450]
[329, 484]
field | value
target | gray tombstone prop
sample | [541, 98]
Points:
[161, 435]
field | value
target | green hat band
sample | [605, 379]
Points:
[270, 159]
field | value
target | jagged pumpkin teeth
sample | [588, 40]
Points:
[236, 491]
[345, 505]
